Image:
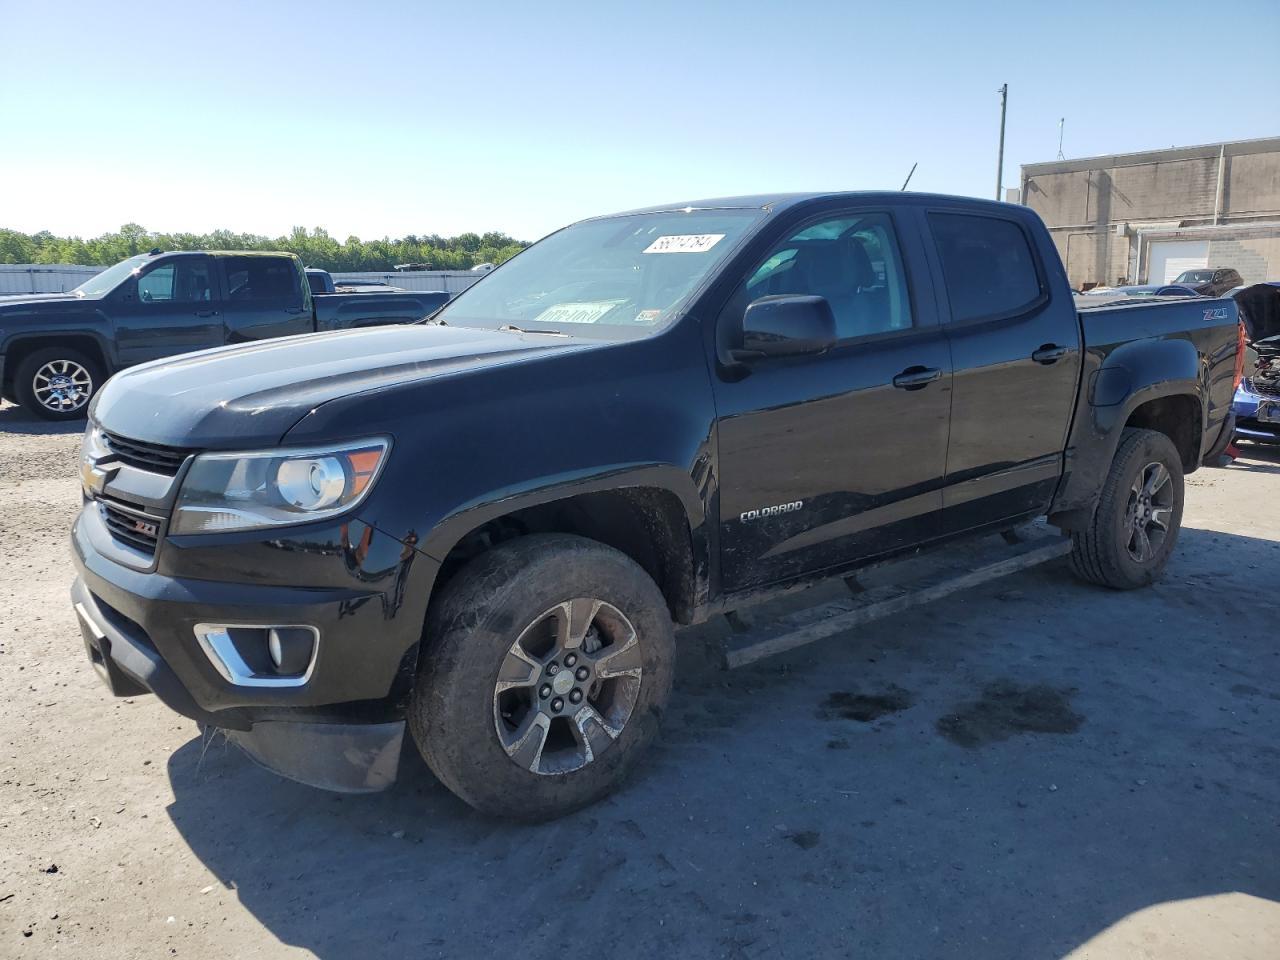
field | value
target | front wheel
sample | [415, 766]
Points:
[546, 669]
[57, 383]
[1135, 526]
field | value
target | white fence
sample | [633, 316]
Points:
[18, 278]
[32, 278]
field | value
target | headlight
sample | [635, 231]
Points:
[92, 446]
[249, 491]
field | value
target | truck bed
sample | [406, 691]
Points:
[343, 311]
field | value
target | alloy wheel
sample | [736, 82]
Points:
[567, 686]
[62, 386]
[1149, 512]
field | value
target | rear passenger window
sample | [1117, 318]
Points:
[987, 264]
[261, 278]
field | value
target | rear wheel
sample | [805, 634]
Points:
[1135, 527]
[548, 667]
[57, 383]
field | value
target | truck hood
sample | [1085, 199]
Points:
[22, 299]
[29, 310]
[248, 396]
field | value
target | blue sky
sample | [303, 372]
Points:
[381, 119]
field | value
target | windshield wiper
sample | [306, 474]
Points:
[512, 328]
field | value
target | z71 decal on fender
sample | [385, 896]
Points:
[1216, 313]
[771, 511]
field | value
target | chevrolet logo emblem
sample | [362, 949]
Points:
[94, 479]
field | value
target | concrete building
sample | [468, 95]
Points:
[1146, 217]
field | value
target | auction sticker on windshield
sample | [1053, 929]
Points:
[583, 312]
[685, 243]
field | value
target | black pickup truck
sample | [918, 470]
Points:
[57, 350]
[484, 526]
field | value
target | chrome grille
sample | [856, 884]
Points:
[146, 456]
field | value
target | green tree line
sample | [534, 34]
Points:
[315, 247]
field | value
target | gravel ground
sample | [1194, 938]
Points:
[1035, 769]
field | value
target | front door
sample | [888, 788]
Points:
[171, 307]
[838, 456]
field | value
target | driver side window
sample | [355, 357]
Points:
[186, 281]
[156, 284]
[851, 260]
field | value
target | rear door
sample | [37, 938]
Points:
[171, 307]
[839, 456]
[1016, 351]
[265, 297]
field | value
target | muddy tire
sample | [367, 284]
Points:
[1133, 531]
[57, 383]
[546, 671]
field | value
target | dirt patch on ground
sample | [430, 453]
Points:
[1007, 709]
[170, 845]
[863, 707]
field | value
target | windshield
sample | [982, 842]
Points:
[109, 278]
[1194, 276]
[617, 278]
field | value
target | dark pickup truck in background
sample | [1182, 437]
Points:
[57, 350]
[483, 527]
[322, 282]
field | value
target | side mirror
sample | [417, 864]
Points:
[786, 326]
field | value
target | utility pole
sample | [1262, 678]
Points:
[1004, 102]
[1061, 123]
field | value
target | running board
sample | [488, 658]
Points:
[750, 642]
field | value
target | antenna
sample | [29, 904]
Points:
[910, 175]
[1061, 123]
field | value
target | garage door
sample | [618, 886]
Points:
[1170, 257]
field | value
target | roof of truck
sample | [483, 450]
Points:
[218, 253]
[776, 202]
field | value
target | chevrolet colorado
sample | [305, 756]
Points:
[482, 527]
[56, 351]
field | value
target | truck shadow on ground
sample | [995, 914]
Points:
[13, 419]
[1004, 775]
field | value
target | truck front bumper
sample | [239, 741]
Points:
[342, 728]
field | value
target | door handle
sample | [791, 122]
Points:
[295, 310]
[206, 313]
[1049, 353]
[916, 378]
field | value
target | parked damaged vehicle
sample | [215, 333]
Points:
[482, 528]
[1257, 401]
[1210, 283]
[57, 350]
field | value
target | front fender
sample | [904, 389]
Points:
[502, 437]
[17, 335]
[548, 489]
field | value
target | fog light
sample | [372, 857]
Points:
[290, 648]
[250, 655]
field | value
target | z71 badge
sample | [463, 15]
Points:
[771, 511]
[1216, 313]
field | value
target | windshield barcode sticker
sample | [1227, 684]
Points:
[685, 243]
